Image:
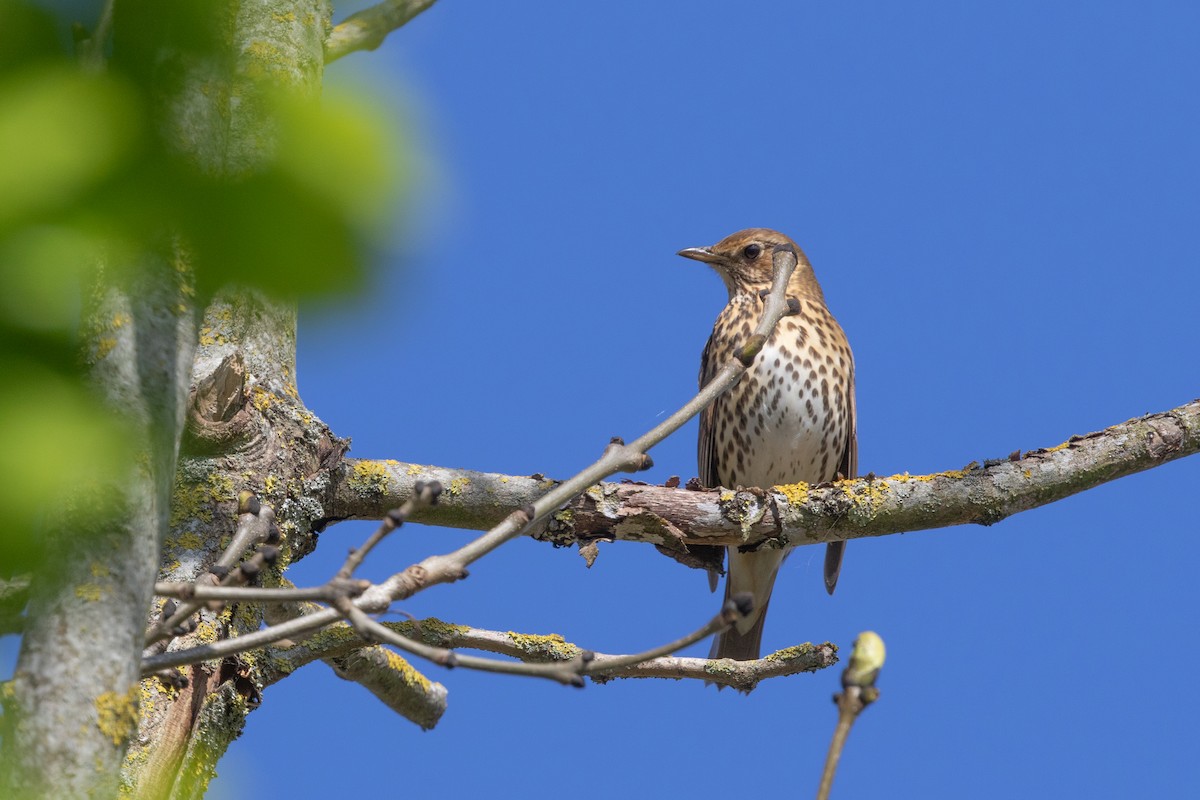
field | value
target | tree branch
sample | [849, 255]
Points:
[338, 641]
[798, 514]
[367, 29]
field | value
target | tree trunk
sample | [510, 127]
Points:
[75, 701]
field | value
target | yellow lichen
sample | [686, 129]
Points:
[411, 676]
[206, 632]
[369, 477]
[120, 320]
[269, 484]
[188, 540]
[211, 336]
[432, 631]
[798, 651]
[414, 469]
[545, 646]
[117, 714]
[99, 570]
[868, 495]
[89, 591]
[192, 498]
[457, 485]
[104, 346]
[1058, 447]
[261, 398]
[796, 493]
[263, 50]
[950, 473]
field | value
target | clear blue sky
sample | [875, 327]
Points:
[1000, 201]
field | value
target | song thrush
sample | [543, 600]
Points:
[790, 418]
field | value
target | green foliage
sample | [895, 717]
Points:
[95, 172]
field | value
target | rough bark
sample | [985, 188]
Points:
[74, 695]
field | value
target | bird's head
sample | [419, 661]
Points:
[744, 262]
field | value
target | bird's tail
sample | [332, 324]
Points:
[754, 573]
[834, 553]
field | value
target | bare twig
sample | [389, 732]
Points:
[255, 594]
[858, 692]
[734, 609]
[367, 29]
[256, 524]
[424, 494]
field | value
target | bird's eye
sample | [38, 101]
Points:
[752, 251]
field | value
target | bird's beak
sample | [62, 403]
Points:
[704, 254]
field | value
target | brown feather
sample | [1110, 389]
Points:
[835, 552]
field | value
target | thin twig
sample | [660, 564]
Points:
[424, 494]
[734, 609]
[255, 594]
[256, 524]
[367, 29]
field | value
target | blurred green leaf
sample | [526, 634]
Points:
[56, 437]
[347, 150]
[61, 132]
[26, 34]
[42, 268]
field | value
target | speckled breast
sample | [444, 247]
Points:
[787, 419]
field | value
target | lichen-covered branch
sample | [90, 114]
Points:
[797, 514]
[367, 29]
[341, 640]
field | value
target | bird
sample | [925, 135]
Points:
[790, 418]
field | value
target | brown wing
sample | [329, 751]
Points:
[848, 467]
[706, 455]
[706, 458]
